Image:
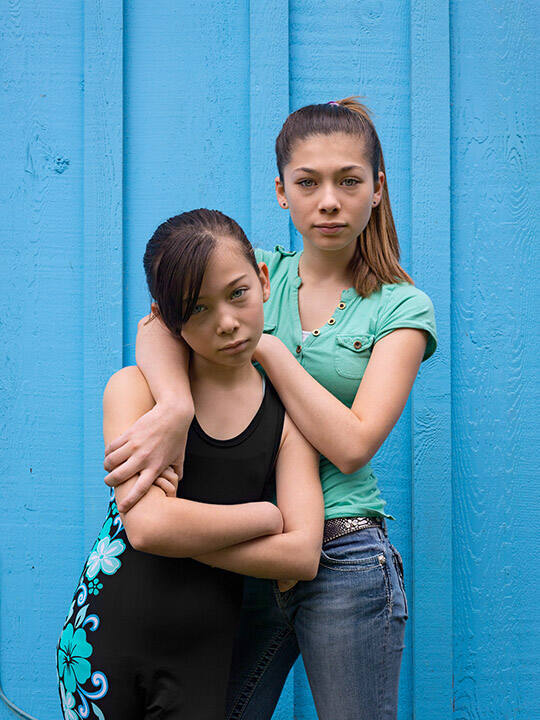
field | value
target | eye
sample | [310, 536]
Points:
[307, 180]
[238, 290]
[351, 182]
[196, 310]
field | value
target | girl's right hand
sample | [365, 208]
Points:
[155, 441]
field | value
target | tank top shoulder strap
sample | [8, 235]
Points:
[270, 428]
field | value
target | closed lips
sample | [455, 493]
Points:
[233, 345]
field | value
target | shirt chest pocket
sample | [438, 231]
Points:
[351, 354]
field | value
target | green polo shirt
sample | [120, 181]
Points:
[337, 354]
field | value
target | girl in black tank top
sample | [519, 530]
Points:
[149, 636]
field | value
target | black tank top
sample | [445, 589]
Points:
[240, 469]
[158, 609]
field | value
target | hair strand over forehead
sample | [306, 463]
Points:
[176, 258]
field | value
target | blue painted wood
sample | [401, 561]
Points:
[41, 267]
[430, 584]
[201, 96]
[495, 368]
[103, 246]
[268, 107]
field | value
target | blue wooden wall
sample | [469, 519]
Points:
[117, 115]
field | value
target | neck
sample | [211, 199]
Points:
[204, 372]
[326, 267]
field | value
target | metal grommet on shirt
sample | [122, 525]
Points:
[332, 321]
[316, 332]
[342, 305]
[357, 344]
[298, 348]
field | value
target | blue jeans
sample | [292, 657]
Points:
[348, 623]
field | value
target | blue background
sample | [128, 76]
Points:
[115, 116]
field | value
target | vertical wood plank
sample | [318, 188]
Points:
[495, 359]
[431, 433]
[269, 106]
[102, 197]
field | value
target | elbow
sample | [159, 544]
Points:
[136, 538]
[352, 463]
[312, 570]
[147, 539]
[139, 539]
[309, 569]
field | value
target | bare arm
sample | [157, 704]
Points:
[295, 553]
[349, 438]
[158, 438]
[173, 526]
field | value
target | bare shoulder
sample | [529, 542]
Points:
[128, 386]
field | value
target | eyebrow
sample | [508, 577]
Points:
[343, 169]
[233, 282]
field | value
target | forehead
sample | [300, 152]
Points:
[322, 152]
[226, 262]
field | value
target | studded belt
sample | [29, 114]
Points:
[336, 527]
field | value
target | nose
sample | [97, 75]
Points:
[328, 201]
[227, 322]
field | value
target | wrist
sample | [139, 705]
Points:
[176, 404]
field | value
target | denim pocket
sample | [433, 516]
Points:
[398, 564]
[359, 550]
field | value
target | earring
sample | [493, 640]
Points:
[284, 204]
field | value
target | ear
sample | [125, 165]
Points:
[264, 279]
[377, 194]
[280, 193]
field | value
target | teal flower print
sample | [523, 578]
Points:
[94, 586]
[104, 557]
[68, 703]
[73, 667]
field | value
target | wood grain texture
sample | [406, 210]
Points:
[41, 339]
[102, 208]
[495, 359]
[431, 581]
[268, 108]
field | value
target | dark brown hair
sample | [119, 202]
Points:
[176, 257]
[376, 257]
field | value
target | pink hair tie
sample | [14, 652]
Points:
[332, 102]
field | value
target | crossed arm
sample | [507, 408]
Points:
[257, 539]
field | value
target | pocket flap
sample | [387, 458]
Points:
[356, 343]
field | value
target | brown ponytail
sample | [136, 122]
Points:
[376, 258]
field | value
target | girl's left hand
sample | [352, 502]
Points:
[285, 585]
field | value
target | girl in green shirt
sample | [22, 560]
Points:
[345, 332]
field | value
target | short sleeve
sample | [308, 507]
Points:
[263, 255]
[405, 306]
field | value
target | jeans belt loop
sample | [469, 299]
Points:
[336, 527]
